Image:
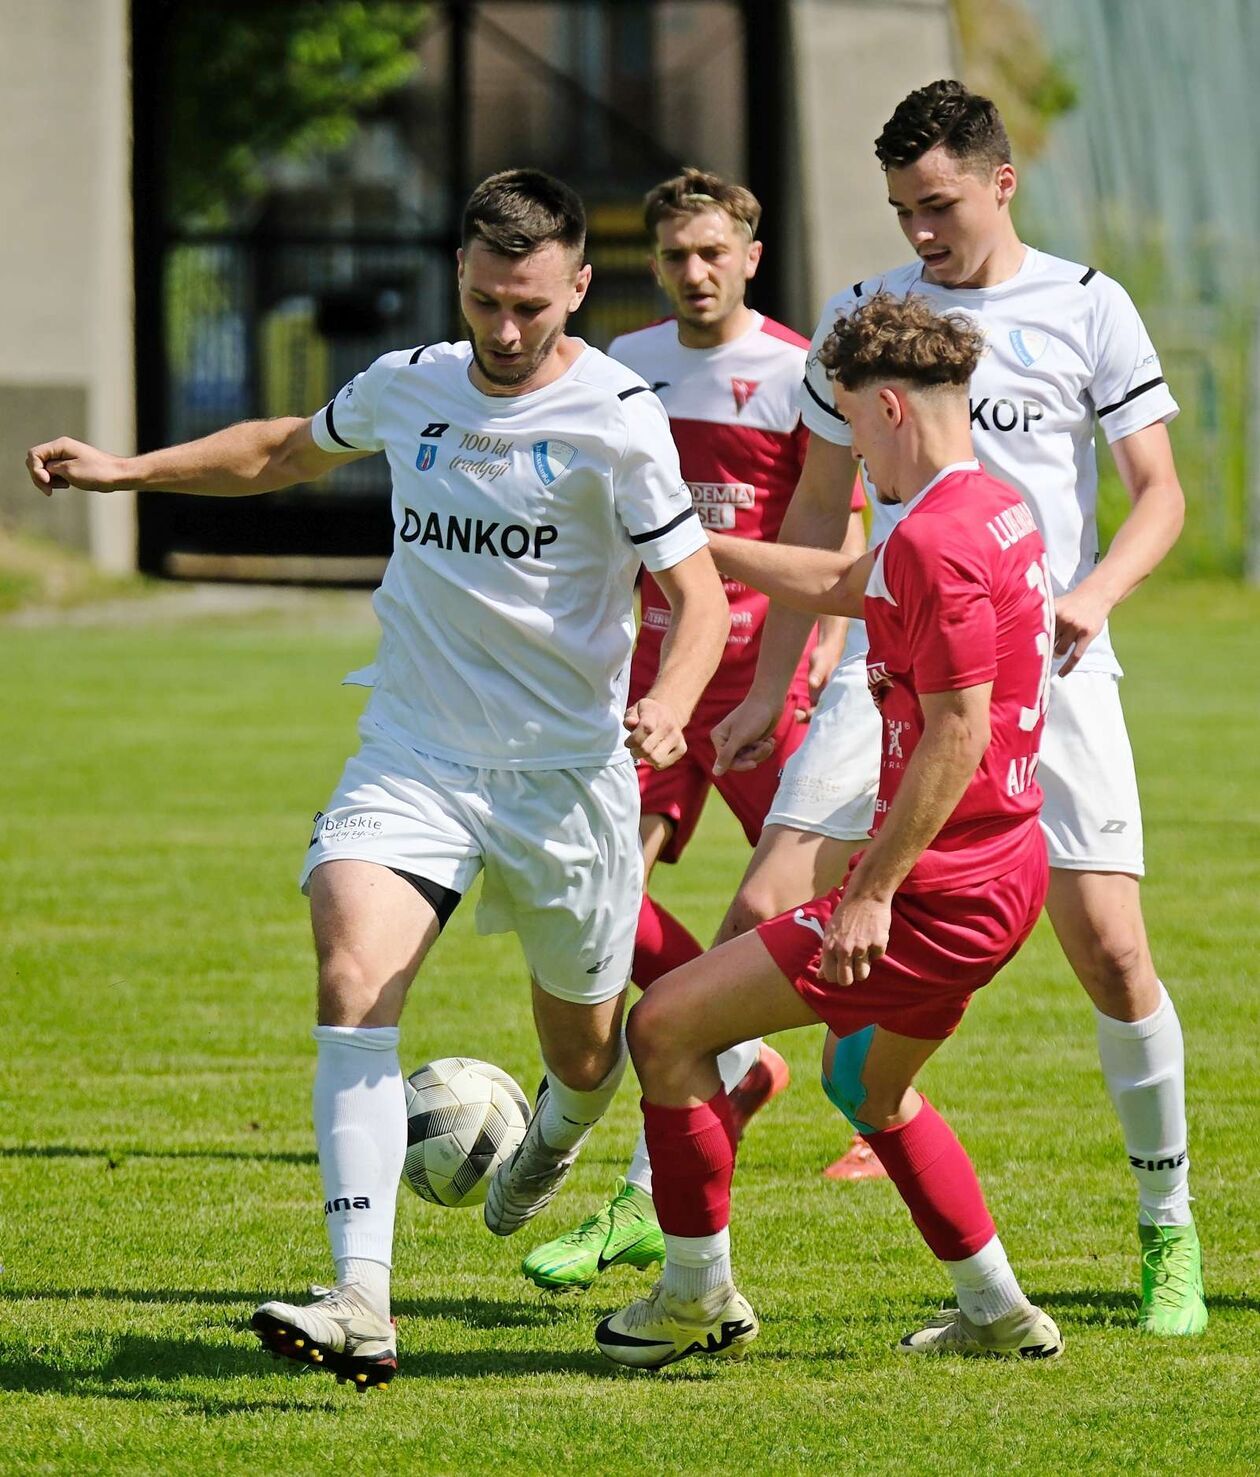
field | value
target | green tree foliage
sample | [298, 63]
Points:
[1005, 57]
[253, 80]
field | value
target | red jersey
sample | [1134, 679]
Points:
[733, 413]
[960, 594]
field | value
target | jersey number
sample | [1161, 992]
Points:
[1037, 576]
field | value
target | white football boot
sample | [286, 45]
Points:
[1024, 1333]
[339, 1332]
[658, 1330]
[528, 1181]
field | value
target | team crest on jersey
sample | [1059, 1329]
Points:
[1029, 345]
[743, 390]
[426, 456]
[551, 459]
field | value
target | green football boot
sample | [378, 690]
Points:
[1172, 1281]
[623, 1233]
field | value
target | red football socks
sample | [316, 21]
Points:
[936, 1180]
[661, 943]
[693, 1162]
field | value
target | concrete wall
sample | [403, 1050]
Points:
[854, 61]
[66, 353]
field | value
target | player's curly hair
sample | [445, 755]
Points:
[518, 210]
[965, 124]
[696, 190]
[890, 338]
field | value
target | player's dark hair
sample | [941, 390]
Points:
[963, 123]
[697, 190]
[891, 338]
[519, 210]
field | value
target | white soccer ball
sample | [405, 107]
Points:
[464, 1118]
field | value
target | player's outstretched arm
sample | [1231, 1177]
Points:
[700, 619]
[955, 736]
[1146, 466]
[818, 581]
[745, 736]
[252, 457]
[818, 516]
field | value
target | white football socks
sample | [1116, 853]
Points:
[1143, 1063]
[567, 1113]
[371, 1279]
[736, 1062]
[984, 1284]
[361, 1133]
[696, 1265]
[733, 1066]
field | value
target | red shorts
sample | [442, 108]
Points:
[680, 791]
[942, 946]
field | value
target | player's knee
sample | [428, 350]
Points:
[349, 993]
[1116, 962]
[642, 1030]
[651, 1035]
[754, 903]
[843, 1063]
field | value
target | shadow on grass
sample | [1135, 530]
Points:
[470, 1311]
[1113, 1309]
[142, 1367]
[115, 1156]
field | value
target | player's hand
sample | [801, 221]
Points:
[822, 662]
[855, 937]
[67, 463]
[745, 737]
[1078, 617]
[656, 735]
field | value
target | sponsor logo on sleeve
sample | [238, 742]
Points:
[551, 459]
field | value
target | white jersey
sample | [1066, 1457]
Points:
[1066, 348]
[520, 522]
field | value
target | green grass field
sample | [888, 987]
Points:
[157, 1178]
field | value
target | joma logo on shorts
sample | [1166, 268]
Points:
[473, 536]
[344, 1202]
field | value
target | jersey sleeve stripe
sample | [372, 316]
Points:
[821, 403]
[332, 429]
[646, 538]
[1132, 395]
[633, 390]
[415, 358]
[1089, 272]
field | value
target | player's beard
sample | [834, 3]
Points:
[521, 372]
[727, 303]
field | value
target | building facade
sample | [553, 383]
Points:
[138, 314]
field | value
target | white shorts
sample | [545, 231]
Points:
[1092, 817]
[559, 847]
[829, 785]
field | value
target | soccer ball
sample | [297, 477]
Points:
[464, 1118]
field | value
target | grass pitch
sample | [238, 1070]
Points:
[157, 1178]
